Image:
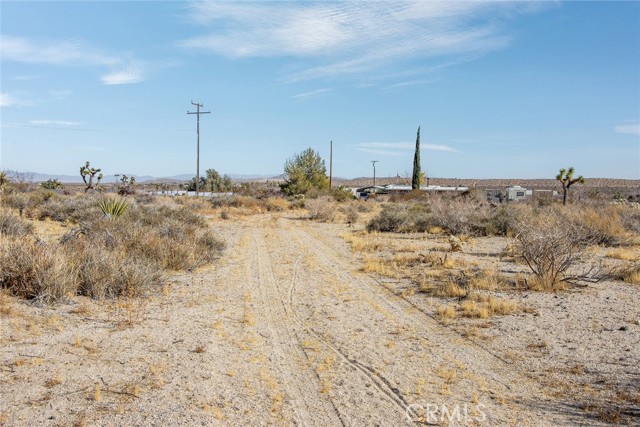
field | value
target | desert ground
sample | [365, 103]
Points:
[290, 327]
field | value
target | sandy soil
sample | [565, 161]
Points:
[284, 330]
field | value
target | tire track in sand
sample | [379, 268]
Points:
[300, 382]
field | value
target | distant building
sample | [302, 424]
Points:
[366, 192]
[514, 193]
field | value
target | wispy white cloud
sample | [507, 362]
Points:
[382, 152]
[8, 100]
[311, 94]
[628, 128]
[72, 53]
[400, 148]
[58, 52]
[350, 37]
[394, 145]
[438, 147]
[54, 123]
[130, 73]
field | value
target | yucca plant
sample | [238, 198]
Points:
[113, 208]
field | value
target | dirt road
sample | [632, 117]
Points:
[284, 330]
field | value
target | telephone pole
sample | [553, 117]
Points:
[373, 162]
[198, 112]
[330, 163]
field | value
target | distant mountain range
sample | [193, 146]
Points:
[40, 177]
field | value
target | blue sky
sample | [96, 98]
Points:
[500, 90]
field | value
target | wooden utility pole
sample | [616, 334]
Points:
[373, 162]
[330, 163]
[198, 112]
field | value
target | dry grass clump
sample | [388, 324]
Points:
[624, 254]
[447, 312]
[363, 243]
[34, 270]
[627, 273]
[12, 225]
[448, 289]
[249, 205]
[601, 226]
[483, 307]
[277, 204]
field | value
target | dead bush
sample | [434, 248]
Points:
[551, 248]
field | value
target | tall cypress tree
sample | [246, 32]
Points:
[415, 181]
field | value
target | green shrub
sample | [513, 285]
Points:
[342, 194]
[393, 217]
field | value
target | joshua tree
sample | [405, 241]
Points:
[4, 180]
[415, 181]
[567, 180]
[127, 186]
[88, 172]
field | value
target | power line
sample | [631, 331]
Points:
[198, 112]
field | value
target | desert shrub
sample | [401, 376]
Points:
[101, 258]
[342, 194]
[459, 215]
[19, 201]
[315, 193]
[551, 248]
[351, 213]
[153, 215]
[321, 209]
[11, 225]
[105, 273]
[75, 209]
[34, 270]
[276, 204]
[393, 217]
[630, 219]
[502, 220]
